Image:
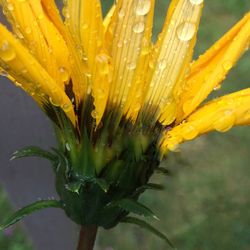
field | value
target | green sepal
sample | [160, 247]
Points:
[104, 185]
[163, 171]
[143, 224]
[135, 207]
[148, 186]
[33, 151]
[86, 163]
[25, 211]
[74, 187]
[62, 161]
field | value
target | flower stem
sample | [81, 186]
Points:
[87, 238]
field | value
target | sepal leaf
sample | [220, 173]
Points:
[143, 224]
[135, 207]
[25, 211]
[33, 151]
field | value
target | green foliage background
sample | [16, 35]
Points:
[206, 202]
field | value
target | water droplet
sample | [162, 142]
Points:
[131, 66]
[185, 31]
[143, 7]
[27, 30]
[119, 44]
[7, 53]
[66, 107]
[64, 74]
[226, 121]
[218, 87]
[54, 102]
[196, 2]
[162, 64]
[227, 65]
[94, 114]
[189, 132]
[3, 73]
[121, 13]
[10, 6]
[67, 146]
[139, 27]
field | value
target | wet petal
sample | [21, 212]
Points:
[130, 33]
[77, 59]
[171, 58]
[108, 17]
[220, 114]
[102, 77]
[34, 29]
[85, 22]
[30, 75]
[212, 67]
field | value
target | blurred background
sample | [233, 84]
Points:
[206, 201]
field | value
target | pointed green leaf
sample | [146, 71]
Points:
[74, 186]
[33, 151]
[153, 186]
[163, 171]
[102, 184]
[62, 160]
[149, 186]
[20, 214]
[87, 164]
[145, 225]
[135, 207]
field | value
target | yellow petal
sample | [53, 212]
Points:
[35, 30]
[130, 29]
[56, 44]
[79, 70]
[85, 22]
[101, 84]
[108, 17]
[30, 75]
[139, 84]
[53, 14]
[172, 55]
[220, 114]
[212, 67]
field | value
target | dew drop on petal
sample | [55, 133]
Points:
[67, 146]
[66, 107]
[143, 7]
[162, 64]
[196, 2]
[185, 31]
[10, 6]
[218, 87]
[28, 30]
[121, 13]
[227, 65]
[94, 114]
[64, 74]
[7, 53]
[54, 102]
[226, 122]
[190, 132]
[131, 66]
[139, 27]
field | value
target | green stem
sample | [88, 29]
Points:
[87, 238]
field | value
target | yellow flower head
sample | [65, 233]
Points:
[118, 99]
[113, 62]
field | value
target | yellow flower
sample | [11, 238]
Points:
[114, 61]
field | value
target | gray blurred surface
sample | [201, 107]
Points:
[26, 180]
